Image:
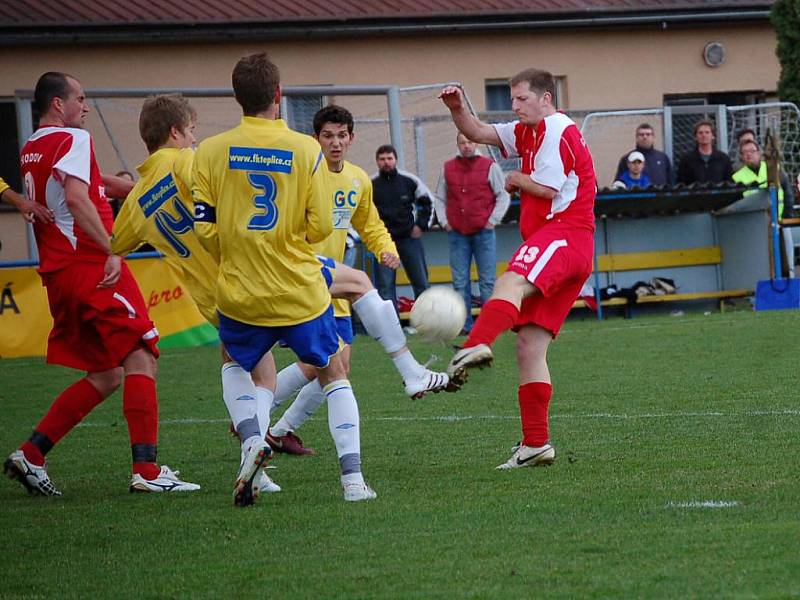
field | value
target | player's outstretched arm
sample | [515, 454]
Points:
[465, 121]
[31, 211]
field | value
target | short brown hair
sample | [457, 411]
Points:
[538, 80]
[255, 82]
[52, 84]
[160, 114]
[703, 123]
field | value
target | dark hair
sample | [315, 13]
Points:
[743, 132]
[644, 126]
[52, 84]
[385, 149]
[160, 114]
[748, 142]
[255, 82]
[538, 80]
[700, 124]
[333, 114]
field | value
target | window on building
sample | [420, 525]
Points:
[301, 110]
[498, 94]
[9, 146]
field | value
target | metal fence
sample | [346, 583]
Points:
[610, 134]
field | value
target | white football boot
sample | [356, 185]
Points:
[265, 484]
[167, 481]
[427, 381]
[255, 459]
[356, 492]
[32, 477]
[467, 358]
[528, 456]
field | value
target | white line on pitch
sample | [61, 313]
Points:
[454, 418]
[704, 504]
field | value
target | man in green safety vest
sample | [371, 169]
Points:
[754, 172]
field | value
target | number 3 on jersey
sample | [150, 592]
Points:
[264, 198]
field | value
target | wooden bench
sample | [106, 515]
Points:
[628, 261]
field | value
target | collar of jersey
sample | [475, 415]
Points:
[155, 157]
[264, 123]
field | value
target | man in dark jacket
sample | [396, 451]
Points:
[404, 204]
[704, 164]
[656, 164]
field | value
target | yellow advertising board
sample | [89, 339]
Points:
[25, 317]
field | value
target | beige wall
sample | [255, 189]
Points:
[612, 69]
[604, 69]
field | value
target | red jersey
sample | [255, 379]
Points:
[555, 155]
[47, 158]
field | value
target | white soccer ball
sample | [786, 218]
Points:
[439, 314]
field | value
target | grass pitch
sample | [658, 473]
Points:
[677, 475]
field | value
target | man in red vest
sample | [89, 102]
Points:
[471, 201]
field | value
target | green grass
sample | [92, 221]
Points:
[647, 414]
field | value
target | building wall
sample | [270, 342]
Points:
[604, 69]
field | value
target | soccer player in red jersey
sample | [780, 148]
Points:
[557, 187]
[101, 324]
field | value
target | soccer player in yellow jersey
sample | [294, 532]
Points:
[159, 211]
[261, 200]
[351, 203]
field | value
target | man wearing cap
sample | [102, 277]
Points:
[657, 165]
[634, 175]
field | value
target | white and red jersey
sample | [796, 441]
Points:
[48, 157]
[555, 155]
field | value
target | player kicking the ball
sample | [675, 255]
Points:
[159, 211]
[557, 186]
[351, 204]
[261, 194]
[101, 324]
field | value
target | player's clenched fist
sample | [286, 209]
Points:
[452, 96]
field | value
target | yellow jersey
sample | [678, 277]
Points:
[261, 199]
[159, 211]
[3, 185]
[351, 199]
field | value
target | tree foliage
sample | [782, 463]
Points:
[785, 17]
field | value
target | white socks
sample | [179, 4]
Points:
[290, 380]
[380, 320]
[264, 399]
[301, 410]
[343, 422]
[239, 394]
[407, 365]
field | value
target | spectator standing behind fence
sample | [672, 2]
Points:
[704, 164]
[635, 175]
[470, 201]
[404, 204]
[657, 165]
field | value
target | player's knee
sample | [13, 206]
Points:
[363, 283]
[531, 347]
[106, 382]
[309, 371]
[141, 361]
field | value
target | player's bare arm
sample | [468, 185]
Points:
[117, 187]
[519, 182]
[85, 214]
[31, 211]
[467, 123]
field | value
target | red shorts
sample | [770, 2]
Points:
[557, 259]
[95, 329]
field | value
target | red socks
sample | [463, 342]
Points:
[140, 406]
[68, 409]
[496, 317]
[534, 404]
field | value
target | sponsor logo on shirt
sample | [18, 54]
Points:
[155, 197]
[260, 159]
